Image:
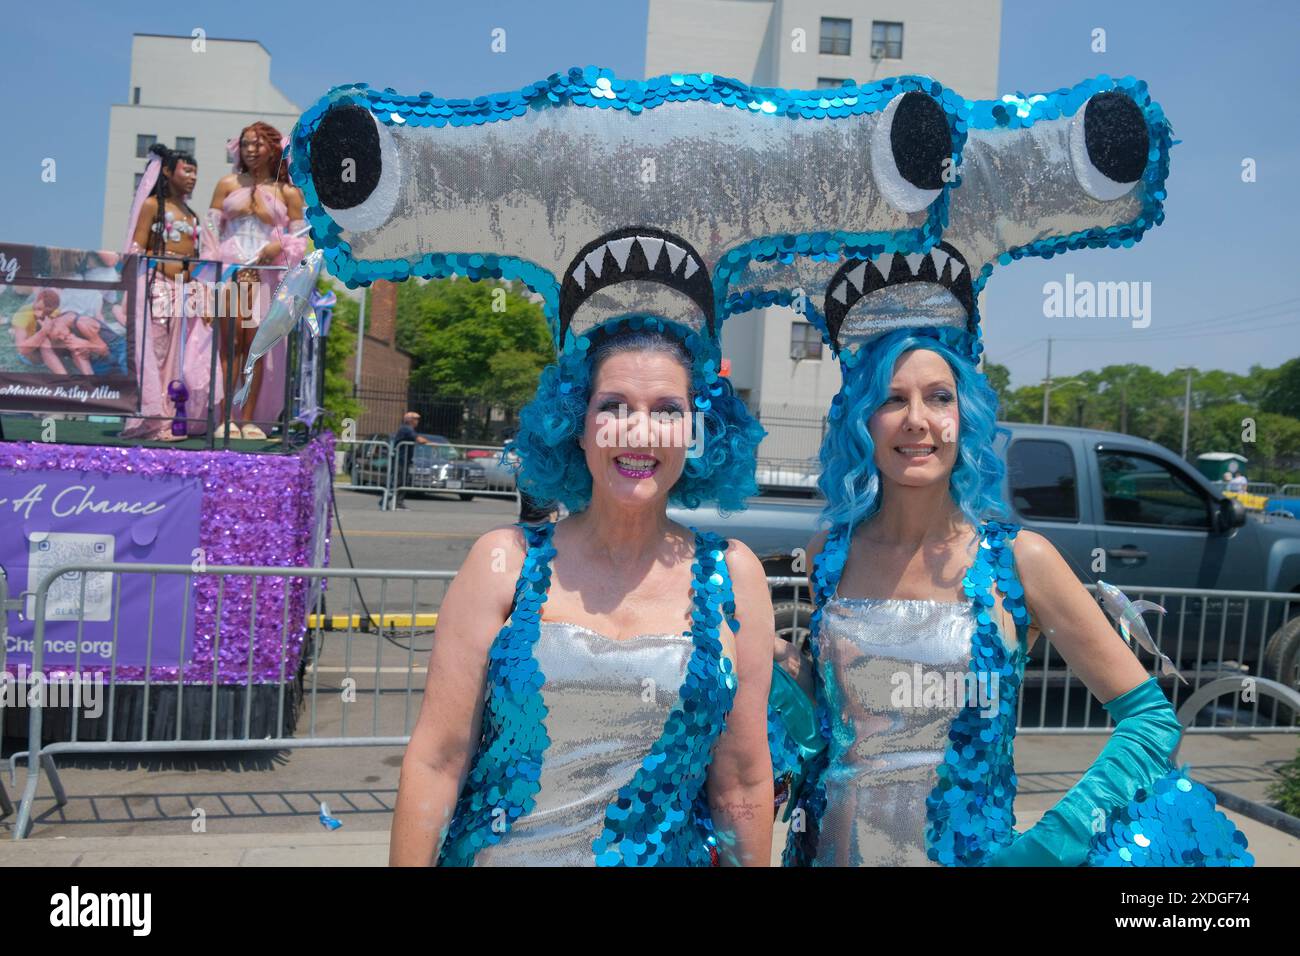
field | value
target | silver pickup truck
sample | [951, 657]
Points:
[1127, 507]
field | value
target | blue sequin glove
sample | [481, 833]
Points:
[1137, 754]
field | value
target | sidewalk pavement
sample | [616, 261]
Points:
[262, 810]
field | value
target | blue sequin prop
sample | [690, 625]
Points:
[786, 755]
[1174, 822]
[662, 818]
[504, 777]
[809, 803]
[969, 812]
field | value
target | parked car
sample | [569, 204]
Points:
[367, 460]
[437, 466]
[500, 474]
[1131, 509]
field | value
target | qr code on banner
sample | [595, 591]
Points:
[48, 550]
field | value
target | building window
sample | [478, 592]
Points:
[886, 40]
[185, 144]
[805, 341]
[837, 35]
[142, 144]
[832, 82]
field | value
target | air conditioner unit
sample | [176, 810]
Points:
[877, 51]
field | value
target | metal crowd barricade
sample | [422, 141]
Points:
[446, 468]
[369, 649]
[370, 464]
[1227, 635]
[359, 669]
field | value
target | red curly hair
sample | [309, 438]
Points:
[274, 143]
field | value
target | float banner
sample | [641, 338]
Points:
[65, 343]
[55, 518]
[193, 510]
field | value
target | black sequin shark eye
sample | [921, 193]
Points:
[1109, 142]
[355, 167]
[911, 147]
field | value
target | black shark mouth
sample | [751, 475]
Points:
[859, 279]
[631, 254]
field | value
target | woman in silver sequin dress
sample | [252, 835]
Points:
[617, 631]
[922, 606]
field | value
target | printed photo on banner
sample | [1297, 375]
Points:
[65, 343]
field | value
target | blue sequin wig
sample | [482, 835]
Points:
[850, 478]
[553, 468]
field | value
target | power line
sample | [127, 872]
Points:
[1178, 335]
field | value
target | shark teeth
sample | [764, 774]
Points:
[620, 249]
[857, 282]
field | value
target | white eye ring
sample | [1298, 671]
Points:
[896, 190]
[374, 211]
[1094, 182]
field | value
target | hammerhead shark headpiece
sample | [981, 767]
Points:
[609, 197]
[1040, 175]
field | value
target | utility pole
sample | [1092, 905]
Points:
[1047, 381]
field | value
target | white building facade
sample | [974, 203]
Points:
[187, 93]
[806, 44]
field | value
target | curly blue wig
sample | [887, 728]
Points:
[552, 467]
[850, 479]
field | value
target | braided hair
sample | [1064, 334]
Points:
[162, 192]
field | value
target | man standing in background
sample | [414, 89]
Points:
[402, 446]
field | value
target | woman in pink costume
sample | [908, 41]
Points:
[174, 346]
[257, 217]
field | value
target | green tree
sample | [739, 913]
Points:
[339, 344]
[482, 340]
[1282, 390]
[999, 377]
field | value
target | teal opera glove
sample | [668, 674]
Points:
[792, 731]
[1137, 754]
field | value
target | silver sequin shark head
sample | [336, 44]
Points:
[1040, 175]
[609, 196]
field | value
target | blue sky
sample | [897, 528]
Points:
[1222, 268]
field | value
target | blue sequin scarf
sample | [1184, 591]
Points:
[661, 817]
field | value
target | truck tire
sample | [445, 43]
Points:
[1282, 657]
[792, 619]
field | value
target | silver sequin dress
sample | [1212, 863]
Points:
[606, 703]
[889, 666]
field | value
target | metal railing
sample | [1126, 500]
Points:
[467, 471]
[369, 466]
[354, 677]
[233, 697]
